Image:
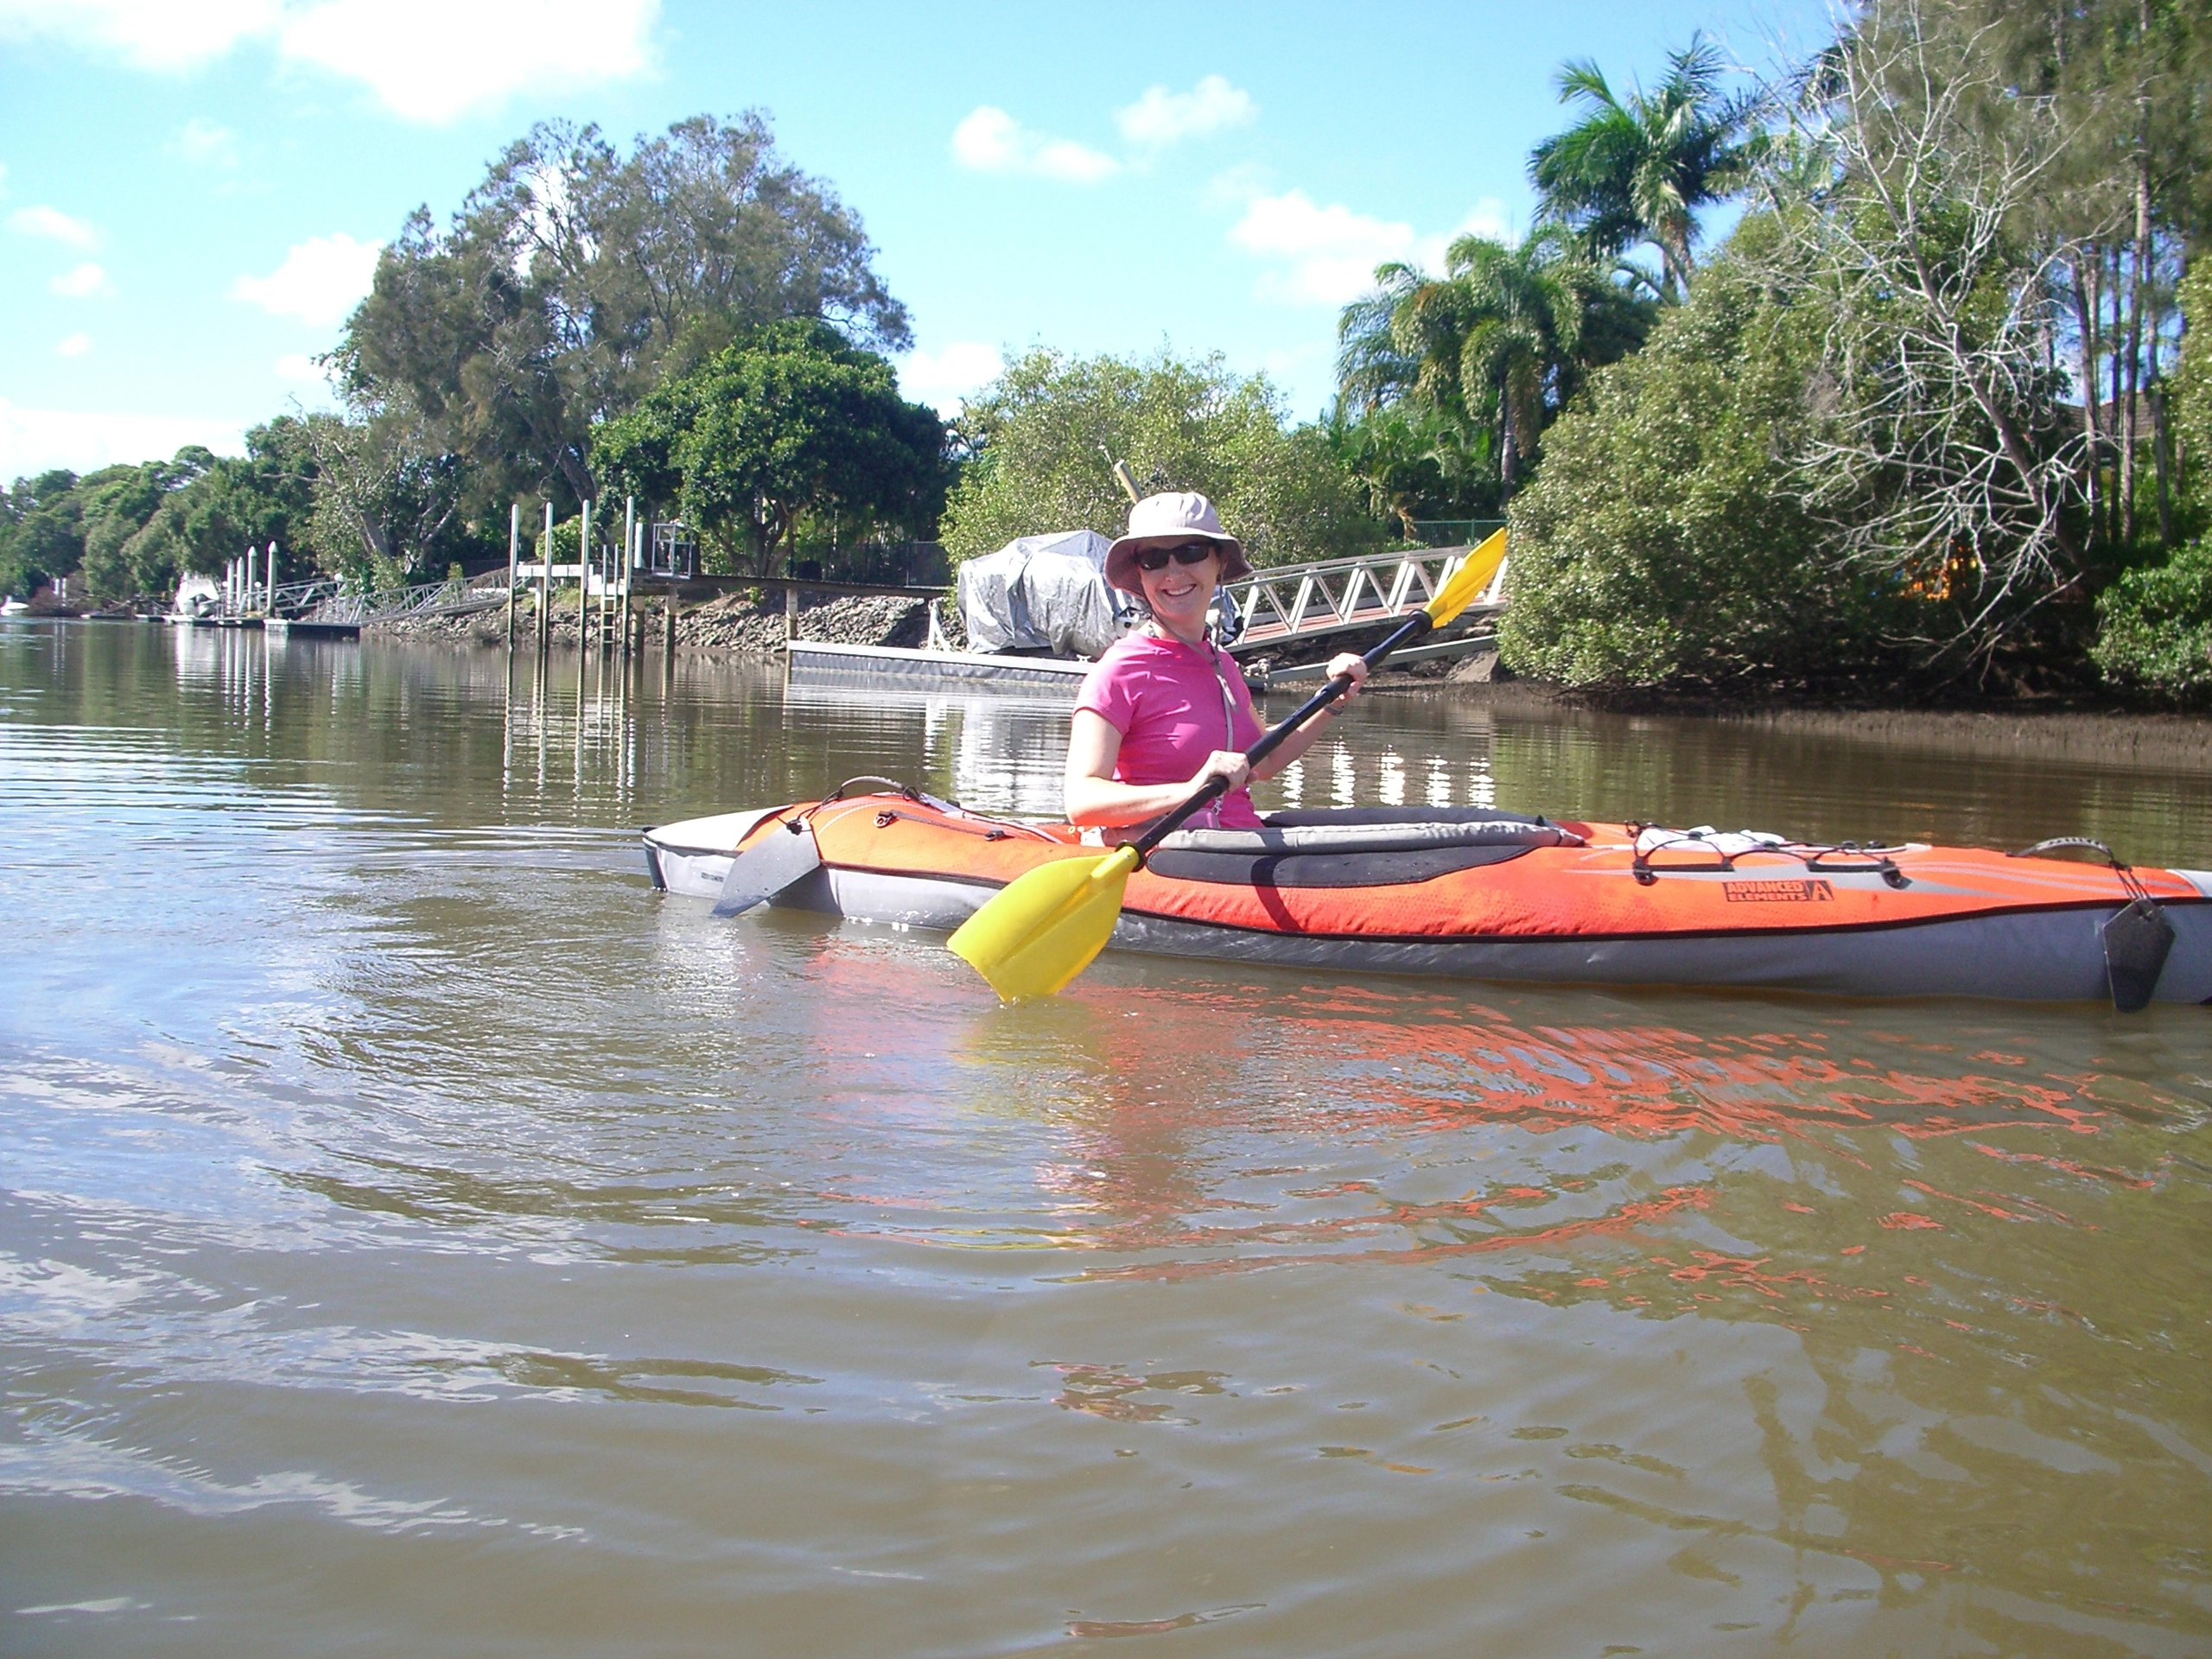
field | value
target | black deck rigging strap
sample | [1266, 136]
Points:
[2137, 936]
[889, 786]
[1817, 859]
[888, 816]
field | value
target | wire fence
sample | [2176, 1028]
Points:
[908, 565]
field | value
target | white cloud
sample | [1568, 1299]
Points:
[991, 141]
[73, 345]
[301, 369]
[1239, 185]
[486, 50]
[1160, 117]
[81, 282]
[3, 178]
[166, 36]
[54, 225]
[32, 441]
[1327, 256]
[320, 280]
[205, 144]
[943, 378]
[424, 59]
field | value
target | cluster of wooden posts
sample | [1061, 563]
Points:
[243, 588]
[607, 618]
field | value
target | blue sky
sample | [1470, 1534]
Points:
[195, 189]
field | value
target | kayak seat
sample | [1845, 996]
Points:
[1374, 847]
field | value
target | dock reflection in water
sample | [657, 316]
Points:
[417, 1234]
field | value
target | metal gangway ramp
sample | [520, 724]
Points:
[356, 608]
[1292, 605]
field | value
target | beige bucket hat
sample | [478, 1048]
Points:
[1165, 520]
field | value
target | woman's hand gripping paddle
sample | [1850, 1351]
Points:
[1042, 929]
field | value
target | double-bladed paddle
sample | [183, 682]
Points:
[1042, 929]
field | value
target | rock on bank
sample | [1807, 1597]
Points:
[731, 625]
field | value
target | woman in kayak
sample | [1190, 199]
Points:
[1166, 708]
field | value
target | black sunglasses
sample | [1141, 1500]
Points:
[1155, 558]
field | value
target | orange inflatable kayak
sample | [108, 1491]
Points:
[1479, 894]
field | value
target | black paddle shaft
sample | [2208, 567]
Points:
[1216, 786]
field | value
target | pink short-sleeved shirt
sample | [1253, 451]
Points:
[1165, 698]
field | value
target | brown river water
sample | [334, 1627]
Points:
[418, 1236]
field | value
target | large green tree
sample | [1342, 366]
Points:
[265, 495]
[574, 279]
[233, 503]
[1043, 432]
[128, 548]
[1902, 489]
[789, 421]
[1638, 168]
[42, 531]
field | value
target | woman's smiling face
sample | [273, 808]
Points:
[1179, 594]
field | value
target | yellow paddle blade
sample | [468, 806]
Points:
[1468, 581]
[1042, 929]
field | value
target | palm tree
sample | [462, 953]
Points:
[1638, 171]
[1499, 343]
[1526, 307]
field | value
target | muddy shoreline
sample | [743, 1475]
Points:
[2125, 737]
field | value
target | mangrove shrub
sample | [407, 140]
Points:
[2155, 624]
[1664, 540]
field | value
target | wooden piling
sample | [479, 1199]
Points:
[629, 566]
[514, 556]
[583, 572]
[545, 585]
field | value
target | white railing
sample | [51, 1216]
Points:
[1294, 603]
[298, 598]
[429, 599]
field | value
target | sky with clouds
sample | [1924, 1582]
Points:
[193, 193]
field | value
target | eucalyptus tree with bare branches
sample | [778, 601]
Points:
[574, 279]
[382, 498]
[1940, 459]
[2131, 83]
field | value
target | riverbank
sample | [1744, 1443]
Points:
[2115, 737]
[750, 631]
